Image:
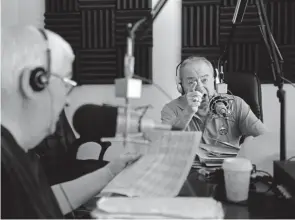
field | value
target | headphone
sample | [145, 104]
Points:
[178, 80]
[39, 77]
[179, 86]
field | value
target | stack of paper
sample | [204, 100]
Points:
[158, 208]
[213, 155]
[162, 170]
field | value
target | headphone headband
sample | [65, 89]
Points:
[48, 52]
[39, 78]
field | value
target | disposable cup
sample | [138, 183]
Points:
[237, 172]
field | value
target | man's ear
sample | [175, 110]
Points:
[24, 84]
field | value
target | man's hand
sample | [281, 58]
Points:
[118, 164]
[194, 98]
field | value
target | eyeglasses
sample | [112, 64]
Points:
[68, 82]
[203, 80]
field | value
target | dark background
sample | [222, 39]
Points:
[96, 29]
[206, 25]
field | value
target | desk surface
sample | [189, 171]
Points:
[258, 206]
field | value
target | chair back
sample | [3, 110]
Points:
[247, 86]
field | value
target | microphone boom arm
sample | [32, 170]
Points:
[277, 62]
[147, 21]
[122, 85]
[273, 50]
[221, 60]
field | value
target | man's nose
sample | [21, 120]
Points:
[200, 86]
[199, 83]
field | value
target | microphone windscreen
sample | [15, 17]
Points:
[93, 121]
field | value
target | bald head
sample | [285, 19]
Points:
[25, 48]
[197, 70]
[195, 62]
[30, 114]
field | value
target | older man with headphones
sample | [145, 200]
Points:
[191, 112]
[36, 80]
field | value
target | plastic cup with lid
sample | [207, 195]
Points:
[237, 172]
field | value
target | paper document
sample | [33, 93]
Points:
[163, 168]
[219, 150]
[226, 144]
[211, 155]
[171, 208]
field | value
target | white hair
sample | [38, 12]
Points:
[194, 59]
[25, 47]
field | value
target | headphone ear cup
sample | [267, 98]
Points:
[179, 88]
[178, 84]
[38, 79]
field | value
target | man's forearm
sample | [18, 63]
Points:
[81, 190]
[183, 119]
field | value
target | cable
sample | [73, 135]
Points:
[262, 179]
[68, 201]
[261, 171]
[140, 120]
[230, 92]
[266, 179]
[155, 85]
[291, 158]
[289, 81]
[60, 186]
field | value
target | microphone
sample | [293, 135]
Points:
[220, 105]
[94, 121]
